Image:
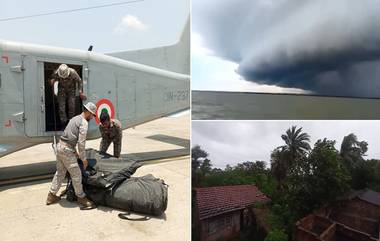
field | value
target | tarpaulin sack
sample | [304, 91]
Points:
[146, 194]
[109, 183]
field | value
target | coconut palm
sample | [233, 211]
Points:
[297, 143]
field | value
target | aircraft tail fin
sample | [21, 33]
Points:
[175, 58]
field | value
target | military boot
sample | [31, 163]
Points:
[51, 199]
[85, 203]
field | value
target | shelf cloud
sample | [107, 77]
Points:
[326, 47]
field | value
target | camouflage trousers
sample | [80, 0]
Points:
[67, 161]
[106, 142]
[62, 97]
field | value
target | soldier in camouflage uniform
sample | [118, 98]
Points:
[74, 134]
[111, 132]
[67, 79]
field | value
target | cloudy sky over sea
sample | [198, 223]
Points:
[295, 46]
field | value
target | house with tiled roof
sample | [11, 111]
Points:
[223, 212]
[354, 218]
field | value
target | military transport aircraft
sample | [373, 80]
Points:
[134, 87]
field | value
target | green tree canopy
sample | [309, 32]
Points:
[320, 178]
[297, 143]
[352, 153]
[198, 155]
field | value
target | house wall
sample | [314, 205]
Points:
[352, 235]
[302, 234]
[321, 224]
[366, 225]
[329, 233]
[363, 208]
[219, 228]
[314, 228]
[307, 222]
[360, 215]
[356, 220]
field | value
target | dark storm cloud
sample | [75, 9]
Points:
[328, 47]
[231, 142]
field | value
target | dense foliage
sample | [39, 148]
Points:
[299, 179]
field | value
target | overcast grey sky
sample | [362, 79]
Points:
[231, 142]
[144, 24]
[320, 46]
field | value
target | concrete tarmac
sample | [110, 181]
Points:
[135, 140]
[24, 215]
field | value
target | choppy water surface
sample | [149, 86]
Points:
[214, 105]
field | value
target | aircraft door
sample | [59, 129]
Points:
[50, 118]
[32, 98]
[11, 94]
[41, 105]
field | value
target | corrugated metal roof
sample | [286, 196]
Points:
[370, 196]
[213, 201]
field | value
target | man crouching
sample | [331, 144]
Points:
[74, 133]
[111, 131]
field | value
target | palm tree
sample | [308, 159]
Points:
[352, 151]
[297, 143]
[283, 157]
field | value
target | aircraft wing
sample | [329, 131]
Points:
[10, 147]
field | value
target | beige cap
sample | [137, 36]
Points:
[91, 107]
[63, 71]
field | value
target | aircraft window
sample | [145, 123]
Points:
[51, 101]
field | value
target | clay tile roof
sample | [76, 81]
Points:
[213, 201]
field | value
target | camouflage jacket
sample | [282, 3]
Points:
[69, 83]
[115, 130]
[76, 132]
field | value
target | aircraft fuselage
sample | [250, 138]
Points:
[131, 92]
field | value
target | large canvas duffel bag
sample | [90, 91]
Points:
[146, 194]
[117, 189]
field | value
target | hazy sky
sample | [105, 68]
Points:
[231, 142]
[145, 24]
[324, 47]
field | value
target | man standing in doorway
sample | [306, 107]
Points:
[68, 80]
[111, 131]
[75, 133]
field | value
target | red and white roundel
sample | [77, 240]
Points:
[104, 105]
